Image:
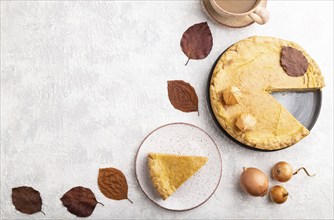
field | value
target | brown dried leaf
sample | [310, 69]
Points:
[80, 201]
[182, 96]
[112, 183]
[27, 200]
[293, 62]
[196, 41]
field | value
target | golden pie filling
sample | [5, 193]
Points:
[240, 88]
[168, 171]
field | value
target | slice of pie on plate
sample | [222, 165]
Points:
[168, 171]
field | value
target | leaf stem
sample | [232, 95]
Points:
[129, 200]
[303, 168]
[187, 61]
[42, 212]
[100, 203]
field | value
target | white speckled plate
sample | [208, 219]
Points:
[181, 139]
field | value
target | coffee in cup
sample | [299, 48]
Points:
[236, 6]
[241, 8]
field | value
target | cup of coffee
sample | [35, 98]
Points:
[241, 8]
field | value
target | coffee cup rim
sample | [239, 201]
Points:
[238, 14]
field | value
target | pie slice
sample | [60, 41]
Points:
[252, 67]
[168, 171]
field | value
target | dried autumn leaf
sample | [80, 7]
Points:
[182, 96]
[293, 62]
[112, 183]
[196, 41]
[27, 200]
[80, 201]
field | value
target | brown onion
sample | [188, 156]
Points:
[254, 181]
[278, 194]
[282, 171]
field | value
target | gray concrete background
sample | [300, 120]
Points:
[82, 83]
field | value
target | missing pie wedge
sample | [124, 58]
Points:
[168, 171]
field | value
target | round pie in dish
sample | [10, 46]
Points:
[240, 88]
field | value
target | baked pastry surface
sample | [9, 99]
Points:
[168, 171]
[253, 66]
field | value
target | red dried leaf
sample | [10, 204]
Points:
[196, 41]
[182, 96]
[27, 200]
[80, 201]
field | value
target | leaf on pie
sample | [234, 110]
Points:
[27, 200]
[293, 62]
[80, 201]
[112, 183]
[182, 96]
[196, 41]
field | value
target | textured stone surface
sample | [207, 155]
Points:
[82, 83]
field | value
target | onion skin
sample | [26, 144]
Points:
[254, 181]
[278, 194]
[282, 171]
